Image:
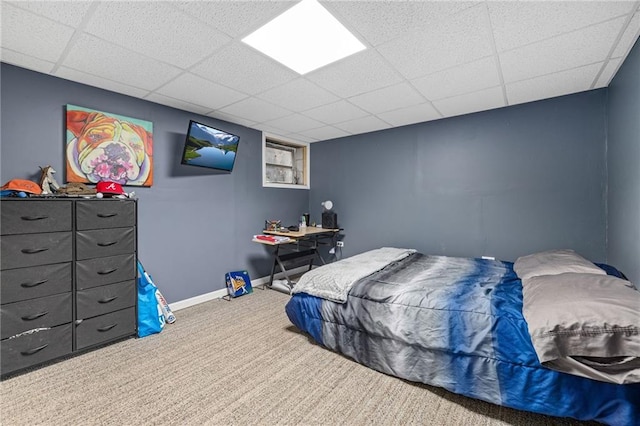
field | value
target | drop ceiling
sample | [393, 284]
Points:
[424, 60]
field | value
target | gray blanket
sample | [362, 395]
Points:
[334, 280]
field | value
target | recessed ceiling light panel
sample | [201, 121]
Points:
[304, 38]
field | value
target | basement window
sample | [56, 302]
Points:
[285, 164]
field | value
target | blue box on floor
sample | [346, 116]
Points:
[238, 283]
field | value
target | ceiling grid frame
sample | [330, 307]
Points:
[359, 83]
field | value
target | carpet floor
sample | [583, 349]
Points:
[237, 362]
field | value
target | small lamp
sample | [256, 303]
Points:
[329, 218]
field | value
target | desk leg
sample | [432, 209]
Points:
[317, 253]
[278, 262]
[285, 273]
[273, 266]
[315, 248]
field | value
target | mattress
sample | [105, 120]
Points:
[456, 323]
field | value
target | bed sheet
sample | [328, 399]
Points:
[457, 323]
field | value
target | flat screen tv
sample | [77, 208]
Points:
[206, 146]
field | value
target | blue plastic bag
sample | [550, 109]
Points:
[150, 317]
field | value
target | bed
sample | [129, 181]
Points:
[459, 323]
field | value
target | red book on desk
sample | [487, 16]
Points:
[271, 238]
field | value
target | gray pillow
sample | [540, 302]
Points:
[583, 316]
[554, 262]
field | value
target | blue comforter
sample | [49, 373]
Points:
[457, 323]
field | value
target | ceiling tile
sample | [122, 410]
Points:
[471, 102]
[325, 133]
[560, 53]
[411, 115]
[33, 35]
[197, 90]
[25, 61]
[388, 98]
[456, 40]
[102, 59]
[99, 82]
[177, 103]
[232, 118]
[141, 27]
[336, 112]
[294, 123]
[359, 73]
[296, 137]
[66, 12]
[455, 81]
[284, 135]
[242, 68]
[362, 125]
[608, 72]
[273, 132]
[378, 21]
[256, 110]
[628, 38]
[235, 18]
[298, 95]
[520, 23]
[558, 84]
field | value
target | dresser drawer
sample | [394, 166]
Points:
[99, 214]
[105, 242]
[38, 281]
[35, 348]
[50, 311]
[106, 327]
[105, 270]
[18, 251]
[108, 298]
[29, 217]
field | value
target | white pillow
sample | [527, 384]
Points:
[554, 262]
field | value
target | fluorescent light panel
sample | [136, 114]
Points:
[304, 38]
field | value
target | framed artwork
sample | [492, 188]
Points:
[102, 146]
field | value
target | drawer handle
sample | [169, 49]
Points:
[34, 251]
[108, 299]
[34, 316]
[34, 284]
[107, 328]
[107, 244]
[106, 215]
[30, 218]
[34, 350]
[107, 272]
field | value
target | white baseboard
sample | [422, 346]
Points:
[176, 306]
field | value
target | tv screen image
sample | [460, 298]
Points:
[206, 146]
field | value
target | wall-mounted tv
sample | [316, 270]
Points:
[206, 146]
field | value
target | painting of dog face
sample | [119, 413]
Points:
[108, 147]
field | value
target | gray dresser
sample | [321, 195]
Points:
[68, 277]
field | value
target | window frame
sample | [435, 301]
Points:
[306, 162]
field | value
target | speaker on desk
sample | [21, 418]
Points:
[329, 220]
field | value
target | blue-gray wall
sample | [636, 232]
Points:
[502, 183]
[194, 225]
[624, 167]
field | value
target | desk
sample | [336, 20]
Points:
[302, 245]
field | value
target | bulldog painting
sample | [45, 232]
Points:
[108, 147]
